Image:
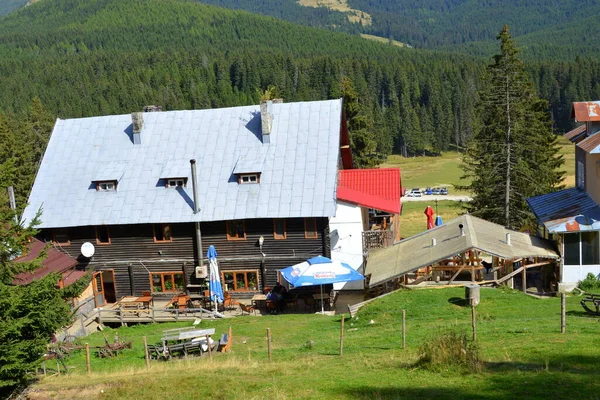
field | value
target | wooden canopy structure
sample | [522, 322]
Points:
[461, 245]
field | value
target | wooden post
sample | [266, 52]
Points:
[99, 316]
[524, 278]
[121, 313]
[474, 323]
[146, 352]
[153, 318]
[209, 347]
[269, 343]
[403, 328]
[563, 315]
[87, 359]
[342, 336]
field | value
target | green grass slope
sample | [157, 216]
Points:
[519, 338]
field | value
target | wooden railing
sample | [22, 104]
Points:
[377, 239]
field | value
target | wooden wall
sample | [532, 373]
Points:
[133, 254]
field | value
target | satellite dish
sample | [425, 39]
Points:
[87, 249]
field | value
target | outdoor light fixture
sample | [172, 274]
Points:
[261, 240]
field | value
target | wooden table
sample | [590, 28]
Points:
[321, 298]
[259, 300]
[135, 304]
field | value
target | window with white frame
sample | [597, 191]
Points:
[581, 248]
[249, 178]
[106, 186]
[176, 182]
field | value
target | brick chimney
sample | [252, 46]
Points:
[137, 119]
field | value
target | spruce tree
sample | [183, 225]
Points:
[514, 154]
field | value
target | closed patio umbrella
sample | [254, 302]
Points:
[429, 212]
[216, 290]
[319, 271]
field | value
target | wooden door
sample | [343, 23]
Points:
[98, 287]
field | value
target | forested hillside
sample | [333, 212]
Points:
[98, 57]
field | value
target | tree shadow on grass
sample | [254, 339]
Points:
[582, 314]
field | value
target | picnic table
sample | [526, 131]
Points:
[133, 304]
[259, 300]
[184, 341]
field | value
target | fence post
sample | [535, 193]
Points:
[563, 315]
[342, 336]
[474, 323]
[146, 352]
[403, 328]
[269, 343]
[121, 313]
[87, 359]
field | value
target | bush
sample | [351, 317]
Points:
[450, 350]
[590, 283]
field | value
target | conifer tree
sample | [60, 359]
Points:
[360, 127]
[514, 154]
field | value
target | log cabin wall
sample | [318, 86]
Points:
[133, 253]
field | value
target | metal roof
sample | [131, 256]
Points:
[298, 177]
[569, 210]
[577, 134]
[375, 188]
[584, 111]
[55, 261]
[417, 251]
[591, 144]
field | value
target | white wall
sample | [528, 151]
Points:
[346, 241]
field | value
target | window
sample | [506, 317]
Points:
[279, 231]
[236, 230]
[581, 248]
[248, 178]
[106, 186]
[176, 182]
[102, 235]
[167, 282]
[61, 237]
[589, 248]
[240, 281]
[162, 233]
[310, 228]
[580, 175]
[571, 248]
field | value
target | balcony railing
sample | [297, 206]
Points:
[377, 239]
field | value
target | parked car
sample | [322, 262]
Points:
[414, 193]
[436, 191]
[444, 191]
[428, 191]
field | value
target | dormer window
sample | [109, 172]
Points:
[175, 182]
[106, 186]
[248, 178]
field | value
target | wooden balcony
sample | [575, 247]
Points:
[377, 239]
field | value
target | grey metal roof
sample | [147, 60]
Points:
[417, 251]
[299, 168]
[569, 210]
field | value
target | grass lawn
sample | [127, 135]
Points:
[413, 219]
[444, 171]
[519, 339]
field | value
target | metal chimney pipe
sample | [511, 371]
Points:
[508, 239]
[462, 231]
[433, 242]
[195, 186]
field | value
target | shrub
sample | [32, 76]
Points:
[590, 283]
[448, 350]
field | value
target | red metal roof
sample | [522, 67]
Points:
[374, 188]
[584, 111]
[55, 261]
[577, 134]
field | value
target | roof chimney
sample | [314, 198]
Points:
[137, 119]
[433, 242]
[266, 120]
[462, 230]
[195, 186]
[508, 239]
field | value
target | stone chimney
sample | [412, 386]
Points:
[266, 120]
[137, 119]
